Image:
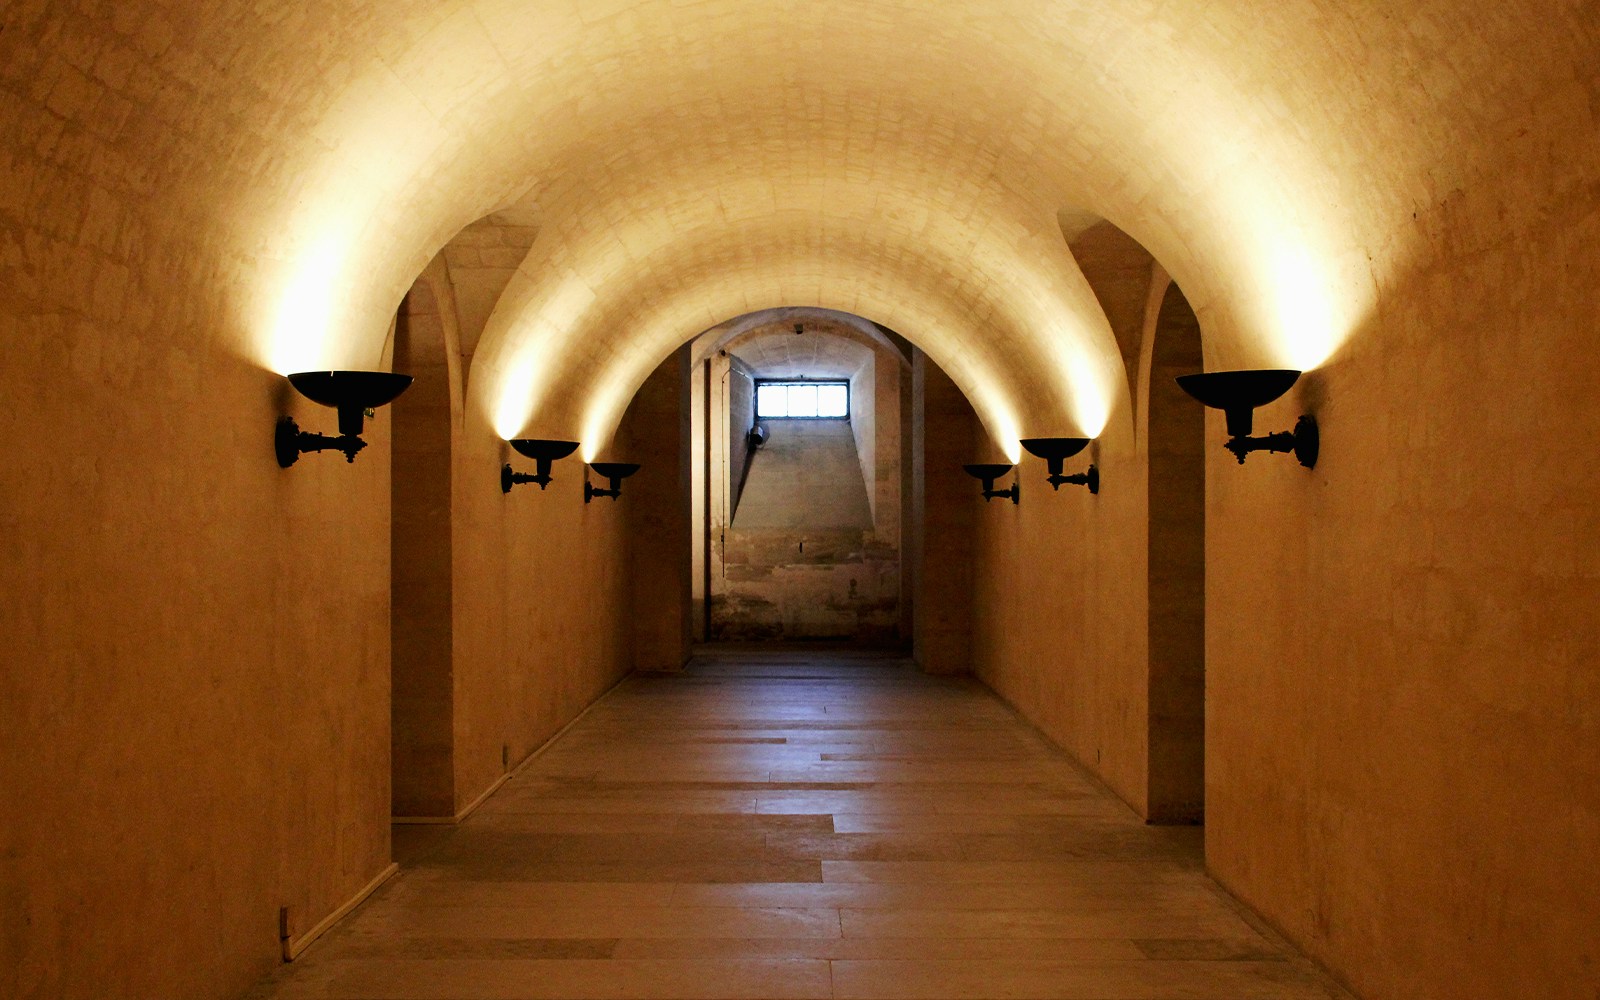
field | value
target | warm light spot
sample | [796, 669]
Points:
[1082, 381]
[511, 408]
[541, 326]
[300, 337]
[1091, 406]
[1307, 328]
[603, 414]
[1288, 301]
[1010, 441]
[994, 410]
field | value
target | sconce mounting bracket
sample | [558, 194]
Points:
[290, 442]
[1303, 441]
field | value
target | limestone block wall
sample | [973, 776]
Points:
[801, 559]
[813, 549]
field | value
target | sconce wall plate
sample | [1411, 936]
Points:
[543, 452]
[1237, 394]
[352, 394]
[615, 473]
[1055, 451]
[988, 473]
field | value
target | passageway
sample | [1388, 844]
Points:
[790, 824]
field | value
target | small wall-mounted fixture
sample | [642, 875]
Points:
[615, 472]
[1057, 450]
[1238, 394]
[543, 453]
[353, 394]
[757, 437]
[989, 473]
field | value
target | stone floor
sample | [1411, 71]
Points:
[800, 825]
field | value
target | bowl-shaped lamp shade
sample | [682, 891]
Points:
[350, 392]
[987, 473]
[1238, 393]
[1055, 450]
[539, 448]
[615, 470]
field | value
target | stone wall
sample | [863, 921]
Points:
[801, 558]
[421, 600]
[945, 435]
[655, 503]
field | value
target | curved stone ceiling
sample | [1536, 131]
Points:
[903, 161]
[823, 351]
[734, 334]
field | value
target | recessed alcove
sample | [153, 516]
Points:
[804, 528]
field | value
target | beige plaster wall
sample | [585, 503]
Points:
[741, 416]
[194, 693]
[1175, 447]
[421, 696]
[941, 547]
[655, 508]
[864, 427]
[1059, 597]
[1061, 592]
[1402, 763]
[1404, 746]
[540, 630]
[194, 689]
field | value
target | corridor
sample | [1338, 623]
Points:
[800, 825]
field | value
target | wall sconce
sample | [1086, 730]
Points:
[543, 453]
[1057, 450]
[615, 472]
[989, 473]
[1238, 394]
[353, 394]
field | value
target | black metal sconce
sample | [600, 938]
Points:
[542, 452]
[1237, 394]
[353, 394]
[615, 473]
[989, 473]
[1056, 451]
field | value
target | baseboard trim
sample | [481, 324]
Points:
[293, 948]
[472, 807]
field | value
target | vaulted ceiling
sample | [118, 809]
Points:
[908, 162]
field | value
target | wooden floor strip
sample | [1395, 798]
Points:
[799, 826]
